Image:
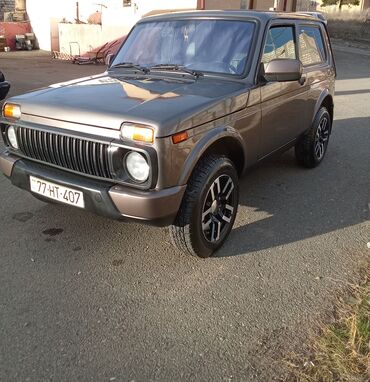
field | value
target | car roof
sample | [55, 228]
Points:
[237, 14]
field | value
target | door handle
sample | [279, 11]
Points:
[302, 80]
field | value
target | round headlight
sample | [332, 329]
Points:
[12, 137]
[137, 166]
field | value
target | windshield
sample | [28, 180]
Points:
[218, 46]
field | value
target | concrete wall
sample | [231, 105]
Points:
[116, 19]
[261, 5]
[44, 14]
[222, 4]
[83, 34]
[81, 38]
[307, 5]
[365, 5]
[41, 13]
[145, 6]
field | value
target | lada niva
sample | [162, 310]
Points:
[189, 102]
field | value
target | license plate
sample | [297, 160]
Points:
[57, 192]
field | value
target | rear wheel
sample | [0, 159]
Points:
[209, 207]
[311, 148]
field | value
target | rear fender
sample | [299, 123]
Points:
[326, 99]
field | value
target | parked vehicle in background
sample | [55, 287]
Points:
[189, 102]
[25, 41]
[4, 87]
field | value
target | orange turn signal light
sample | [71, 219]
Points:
[180, 137]
[11, 110]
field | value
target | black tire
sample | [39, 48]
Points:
[189, 233]
[311, 148]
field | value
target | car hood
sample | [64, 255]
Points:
[169, 104]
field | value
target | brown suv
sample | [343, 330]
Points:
[186, 105]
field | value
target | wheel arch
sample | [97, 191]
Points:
[223, 141]
[325, 99]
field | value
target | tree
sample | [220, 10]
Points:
[340, 3]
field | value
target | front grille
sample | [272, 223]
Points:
[76, 154]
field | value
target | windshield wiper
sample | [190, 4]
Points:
[177, 68]
[130, 65]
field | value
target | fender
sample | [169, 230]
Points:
[211, 137]
[320, 100]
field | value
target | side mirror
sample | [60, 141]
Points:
[109, 58]
[281, 70]
[4, 86]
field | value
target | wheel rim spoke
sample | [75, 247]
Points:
[217, 181]
[225, 218]
[213, 192]
[230, 208]
[207, 212]
[228, 184]
[229, 181]
[218, 209]
[206, 225]
[323, 124]
[319, 150]
[216, 230]
[321, 138]
[325, 135]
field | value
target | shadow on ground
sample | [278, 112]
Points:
[280, 202]
[318, 201]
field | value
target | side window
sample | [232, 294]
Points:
[311, 45]
[279, 44]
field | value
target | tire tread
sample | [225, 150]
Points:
[180, 231]
[304, 147]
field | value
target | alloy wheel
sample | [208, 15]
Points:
[218, 208]
[321, 138]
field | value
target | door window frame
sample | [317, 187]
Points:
[274, 24]
[324, 42]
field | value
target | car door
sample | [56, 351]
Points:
[283, 104]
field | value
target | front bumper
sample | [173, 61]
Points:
[103, 198]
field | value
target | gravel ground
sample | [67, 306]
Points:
[83, 298]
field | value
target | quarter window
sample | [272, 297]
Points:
[311, 46]
[279, 44]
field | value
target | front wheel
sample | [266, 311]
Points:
[209, 208]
